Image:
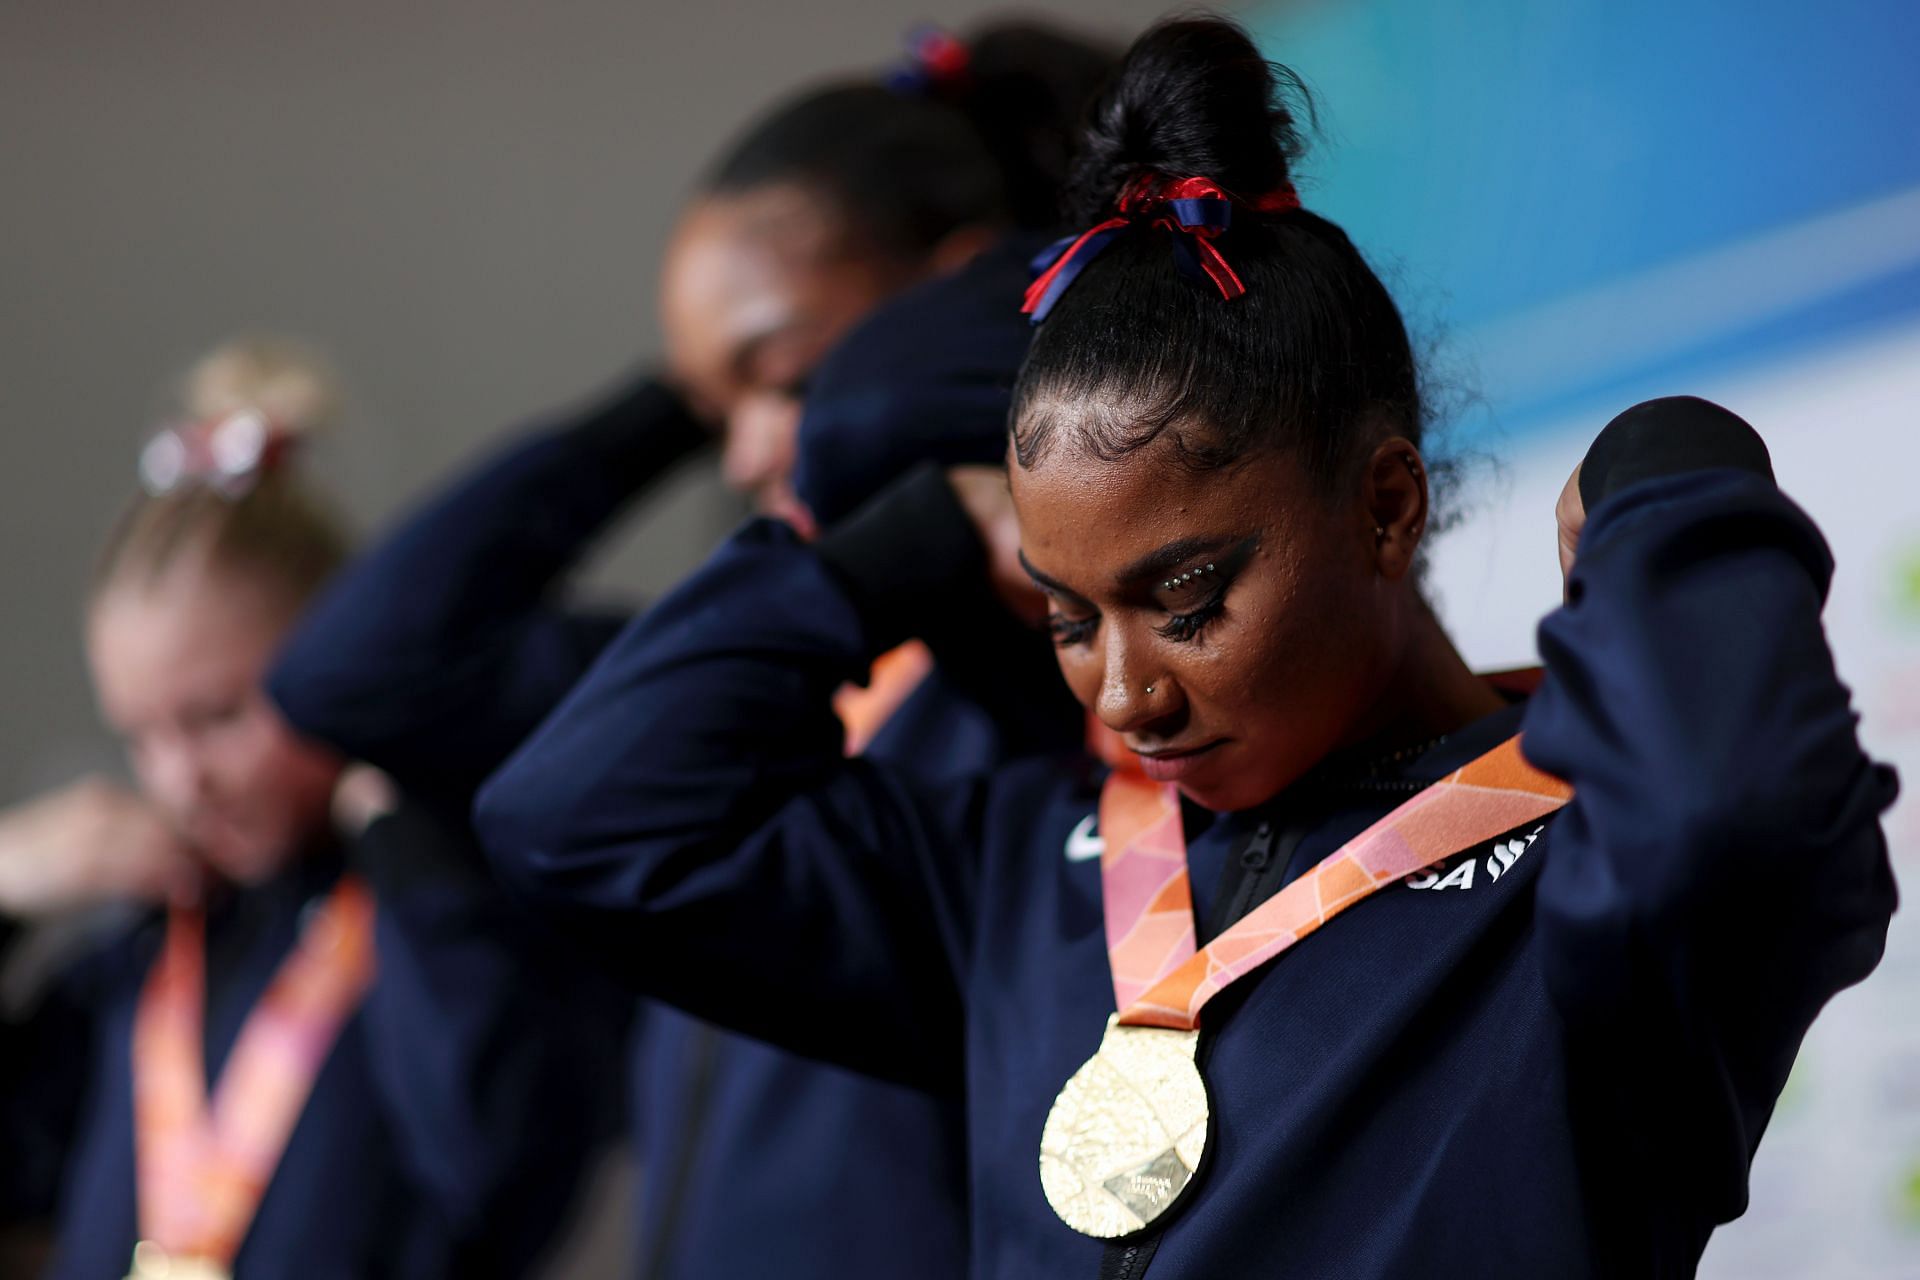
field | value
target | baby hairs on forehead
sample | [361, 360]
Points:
[1313, 360]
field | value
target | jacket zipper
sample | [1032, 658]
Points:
[1254, 860]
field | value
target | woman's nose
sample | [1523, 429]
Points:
[173, 776]
[759, 450]
[1135, 692]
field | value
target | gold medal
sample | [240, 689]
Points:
[1126, 1134]
[151, 1262]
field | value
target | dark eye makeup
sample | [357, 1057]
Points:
[1210, 579]
[1067, 632]
[1212, 576]
[1187, 626]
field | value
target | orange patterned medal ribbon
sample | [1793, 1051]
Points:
[1160, 980]
[203, 1162]
[1147, 898]
[865, 710]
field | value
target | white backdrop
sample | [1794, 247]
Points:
[1836, 1188]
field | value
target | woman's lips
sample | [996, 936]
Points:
[1173, 765]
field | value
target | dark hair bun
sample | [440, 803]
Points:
[1193, 98]
[1028, 90]
[1312, 359]
[991, 146]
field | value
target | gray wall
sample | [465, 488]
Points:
[462, 202]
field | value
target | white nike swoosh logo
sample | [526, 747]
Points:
[1082, 843]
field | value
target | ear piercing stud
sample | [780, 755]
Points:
[1413, 469]
[1185, 578]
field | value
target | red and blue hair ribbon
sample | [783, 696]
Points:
[938, 65]
[1195, 210]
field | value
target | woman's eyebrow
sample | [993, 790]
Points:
[762, 327]
[1045, 583]
[1158, 565]
[746, 352]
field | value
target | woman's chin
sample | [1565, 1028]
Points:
[1222, 795]
[1225, 788]
[245, 864]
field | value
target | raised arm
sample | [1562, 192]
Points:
[436, 652]
[689, 809]
[1721, 872]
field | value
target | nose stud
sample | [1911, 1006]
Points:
[1149, 690]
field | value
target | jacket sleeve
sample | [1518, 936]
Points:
[47, 1042]
[689, 810]
[495, 1059]
[439, 649]
[1720, 872]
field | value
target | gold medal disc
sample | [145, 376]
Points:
[151, 1262]
[1126, 1133]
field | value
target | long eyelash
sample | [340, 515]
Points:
[1182, 627]
[1067, 632]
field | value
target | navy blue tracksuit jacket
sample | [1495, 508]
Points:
[1553, 1059]
[444, 647]
[445, 1133]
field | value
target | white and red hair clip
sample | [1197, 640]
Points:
[228, 454]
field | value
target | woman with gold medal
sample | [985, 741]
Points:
[1331, 958]
[330, 1047]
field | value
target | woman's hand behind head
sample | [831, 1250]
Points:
[1570, 514]
[989, 504]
